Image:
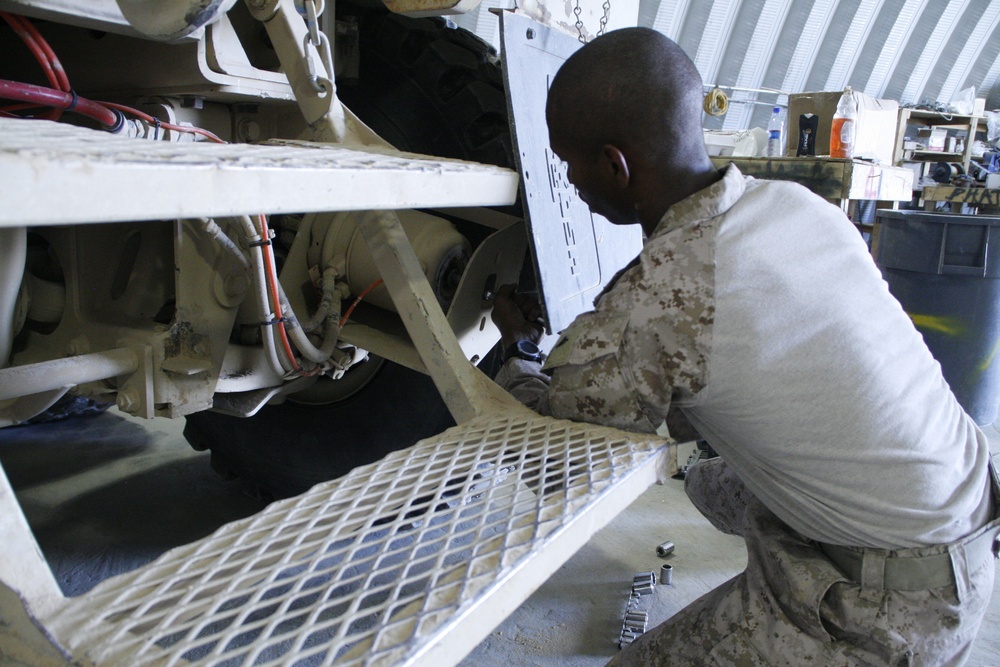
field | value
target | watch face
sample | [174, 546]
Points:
[528, 351]
[523, 349]
[527, 347]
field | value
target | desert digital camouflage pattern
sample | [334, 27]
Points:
[647, 344]
[793, 607]
[646, 347]
[719, 494]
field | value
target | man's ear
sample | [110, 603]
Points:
[617, 165]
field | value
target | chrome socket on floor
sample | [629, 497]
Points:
[664, 549]
[636, 620]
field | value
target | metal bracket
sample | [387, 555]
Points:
[316, 93]
[496, 262]
[135, 391]
[465, 390]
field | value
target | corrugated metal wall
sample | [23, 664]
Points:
[906, 50]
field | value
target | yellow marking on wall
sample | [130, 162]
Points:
[989, 359]
[950, 326]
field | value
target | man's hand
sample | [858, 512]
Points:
[518, 316]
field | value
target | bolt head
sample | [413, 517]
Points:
[236, 284]
[79, 345]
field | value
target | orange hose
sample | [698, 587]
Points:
[272, 282]
[365, 292]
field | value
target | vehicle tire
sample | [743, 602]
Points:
[430, 88]
[427, 88]
[287, 448]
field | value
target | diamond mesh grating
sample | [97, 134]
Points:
[60, 174]
[370, 569]
[27, 139]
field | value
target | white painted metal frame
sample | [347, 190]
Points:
[86, 176]
[410, 561]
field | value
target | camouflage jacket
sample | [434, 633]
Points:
[645, 345]
[756, 308]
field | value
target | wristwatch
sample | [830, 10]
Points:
[523, 349]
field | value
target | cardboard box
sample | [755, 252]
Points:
[875, 131]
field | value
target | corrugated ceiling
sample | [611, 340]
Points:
[911, 51]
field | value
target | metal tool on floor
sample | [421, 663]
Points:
[644, 583]
[636, 620]
[664, 549]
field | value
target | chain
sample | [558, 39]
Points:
[579, 22]
[319, 40]
[577, 11]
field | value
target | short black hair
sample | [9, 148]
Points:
[632, 87]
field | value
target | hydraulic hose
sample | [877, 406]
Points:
[212, 227]
[259, 283]
[25, 92]
[330, 299]
[331, 333]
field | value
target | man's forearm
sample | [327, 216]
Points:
[525, 381]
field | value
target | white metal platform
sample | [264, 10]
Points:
[409, 561]
[54, 173]
[412, 560]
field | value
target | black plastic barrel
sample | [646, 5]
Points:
[945, 271]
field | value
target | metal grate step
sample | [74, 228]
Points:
[56, 173]
[412, 560]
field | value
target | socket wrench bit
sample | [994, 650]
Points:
[665, 549]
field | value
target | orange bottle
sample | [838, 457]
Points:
[842, 130]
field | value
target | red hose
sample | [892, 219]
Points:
[50, 55]
[42, 52]
[18, 25]
[26, 92]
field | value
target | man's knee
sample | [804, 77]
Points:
[719, 494]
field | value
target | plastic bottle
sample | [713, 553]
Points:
[842, 130]
[776, 134]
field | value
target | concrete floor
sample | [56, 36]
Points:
[108, 494]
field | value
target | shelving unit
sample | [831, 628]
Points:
[954, 124]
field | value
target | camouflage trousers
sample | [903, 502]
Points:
[792, 606]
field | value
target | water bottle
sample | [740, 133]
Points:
[842, 129]
[776, 134]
